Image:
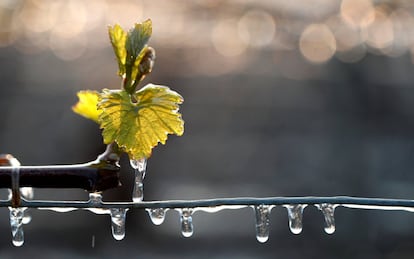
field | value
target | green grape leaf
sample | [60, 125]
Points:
[138, 125]
[136, 45]
[87, 106]
[118, 39]
[138, 38]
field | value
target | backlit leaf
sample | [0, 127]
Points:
[87, 105]
[138, 125]
[138, 37]
[118, 39]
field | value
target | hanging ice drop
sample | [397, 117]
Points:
[16, 221]
[186, 219]
[328, 211]
[28, 194]
[118, 217]
[157, 215]
[295, 215]
[262, 222]
[139, 167]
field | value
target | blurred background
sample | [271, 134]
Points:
[282, 98]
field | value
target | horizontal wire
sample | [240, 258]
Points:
[346, 201]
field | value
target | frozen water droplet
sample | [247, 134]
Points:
[140, 167]
[187, 228]
[59, 209]
[95, 198]
[262, 222]
[118, 217]
[27, 193]
[157, 216]
[26, 218]
[328, 211]
[295, 213]
[16, 222]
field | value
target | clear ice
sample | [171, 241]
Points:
[118, 217]
[28, 194]
[16, 223]
[295, 215]
[95, 198]
[140, 167]
[186, 219]
[328, 211]
[262, 213]
[18, 216]
[157, 215]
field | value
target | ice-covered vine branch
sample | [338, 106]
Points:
[262, 208]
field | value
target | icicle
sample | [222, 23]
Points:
[118, 217]
[26, 193]
[187, 228]
[328, 211]
[295, 213]
[157, 216]
[262, 222]
[16, 221]
[139, 167]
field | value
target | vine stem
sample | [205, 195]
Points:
[95, 176]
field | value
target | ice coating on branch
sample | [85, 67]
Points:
[295, 215]
[186, 220]
[140, 167]
[262, 213]
[16, 223]
[328, 211]
[95, 198]
[157, 215]
[118, 218]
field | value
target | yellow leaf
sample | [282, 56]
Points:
[138, 125]
[87, 105]
[118, 39]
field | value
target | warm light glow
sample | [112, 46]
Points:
[238, 31]
[347, 37]
[257, 28]
[72, 19]
[38, 16]
[124, 12]
[357, 13]
[226, 39]
[352, 55]
[317, 43]
[380, 34]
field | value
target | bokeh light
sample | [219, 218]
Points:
[226, 39]
[318, 30]
[257, 28]
[317, 43]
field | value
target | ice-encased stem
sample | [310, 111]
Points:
[140, 167]
[186, 219]
[262, 213]
[16, 224]
[118, 218]
[328, 211]
[295, 215]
